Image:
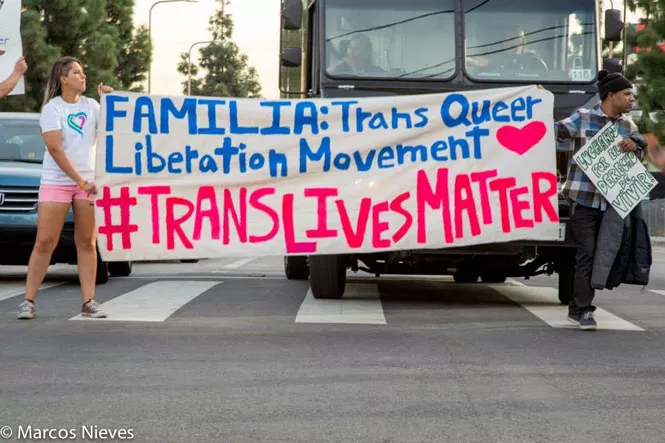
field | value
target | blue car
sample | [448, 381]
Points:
[22, 151]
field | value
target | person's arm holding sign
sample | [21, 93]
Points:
[10, 82]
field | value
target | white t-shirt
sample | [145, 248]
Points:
[78, 123]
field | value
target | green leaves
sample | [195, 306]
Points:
[99, 32]
[649, 69]
[226, 71]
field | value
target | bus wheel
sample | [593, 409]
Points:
[296, 267]
[327, 276]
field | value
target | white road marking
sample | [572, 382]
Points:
[360, 304]
[657, 291]
[239, 263]
[543, 302]
[154, 302]
[16, 288]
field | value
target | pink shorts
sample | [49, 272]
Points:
[62, 193]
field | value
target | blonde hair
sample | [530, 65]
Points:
[60, 68]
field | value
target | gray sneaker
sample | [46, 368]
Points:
[574, 318]
[587, 322]
[27, 310]
[91, 309]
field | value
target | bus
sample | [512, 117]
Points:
[434, 46]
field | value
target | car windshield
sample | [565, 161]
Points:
[531, 41]
[390, 38]
[21, 140]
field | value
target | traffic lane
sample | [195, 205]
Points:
[282, 381]
[338, 383]
[443, 304]
[644, 306]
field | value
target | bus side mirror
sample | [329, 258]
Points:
[291, 15]
[613, 25]
[291, 57]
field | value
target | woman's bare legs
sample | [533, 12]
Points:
[86, 247]
[50, 219]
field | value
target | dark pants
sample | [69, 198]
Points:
[585, 223]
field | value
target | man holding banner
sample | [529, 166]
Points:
[588, 204]
[10, 82]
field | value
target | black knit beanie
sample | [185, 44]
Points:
[613, 82]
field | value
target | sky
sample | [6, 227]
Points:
[178, 25]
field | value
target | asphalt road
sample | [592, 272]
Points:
[231, 351]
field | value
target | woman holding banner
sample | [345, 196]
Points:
[69, 126]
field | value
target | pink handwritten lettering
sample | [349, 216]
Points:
[321, 194]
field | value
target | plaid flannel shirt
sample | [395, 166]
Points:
[572, 133]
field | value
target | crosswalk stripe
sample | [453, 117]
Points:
[543, 302]
[13, 289]
[154, 302]
[240, 263]
[657, 291]
[361, 304]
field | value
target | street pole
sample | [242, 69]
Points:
[189, 66]
[150, 31]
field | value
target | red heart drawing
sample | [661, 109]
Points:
[521, 140]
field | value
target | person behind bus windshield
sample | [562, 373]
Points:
[513, 44]
[358, 58]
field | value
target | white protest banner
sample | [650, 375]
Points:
[204, 177]
[11, 46]
[619, 176]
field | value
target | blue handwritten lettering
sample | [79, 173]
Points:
[138, 164]
[306, 114]
[110, 167]
[477, 113]
[235, 128]
[212, 128]
[346, 112]
[446, 116]
[175, 158]
[188, 110]
[397, 116]
[499, 107]
[322, 153]
[140, 113]
[276, 128]
[112, 112]
[424, 120]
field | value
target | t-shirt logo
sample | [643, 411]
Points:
[77, 121]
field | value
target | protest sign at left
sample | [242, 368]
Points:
[11, 46]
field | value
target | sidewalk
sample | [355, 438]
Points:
[658, 241]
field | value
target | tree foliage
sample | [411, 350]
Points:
[649, 69]
[99, 32]
[222, 70]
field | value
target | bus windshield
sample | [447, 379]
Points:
[526, 40]
[390, 38]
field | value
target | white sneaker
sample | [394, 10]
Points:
[27, 310]
[91, 310]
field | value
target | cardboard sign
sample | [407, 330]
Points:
[11, 46]
[619, 176]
